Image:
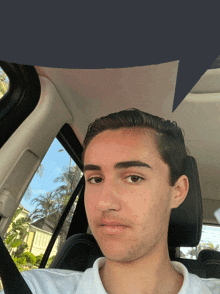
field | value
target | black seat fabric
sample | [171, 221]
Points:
[195, 267]
[211, 261]
[78, 253]
[81, 250]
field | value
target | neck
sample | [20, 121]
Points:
[146, 275]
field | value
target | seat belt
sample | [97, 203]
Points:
[12, 280]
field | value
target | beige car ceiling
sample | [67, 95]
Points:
[89, 94]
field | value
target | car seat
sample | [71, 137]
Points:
[211, 260]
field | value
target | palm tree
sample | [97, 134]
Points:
[70, 158]
[70, 178]
[46, 205]
[51, 205]
[40, 172]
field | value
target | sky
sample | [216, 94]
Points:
[53, 164]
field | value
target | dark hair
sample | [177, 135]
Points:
[169, 136]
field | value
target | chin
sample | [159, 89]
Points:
[111, 249]
[118, 253]
[123, 258]
[116, 248]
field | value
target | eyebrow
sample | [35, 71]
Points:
[118, 165]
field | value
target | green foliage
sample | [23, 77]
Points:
[3, 83]
[20, 249]
[15, 259]
[18, 263]
[14, 238]
[30, 257]
[38, 259]
[21, 260]
[51, 204]
[15, 243]
[50, 260]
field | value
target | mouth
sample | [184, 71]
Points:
[112, 223]
[113, 228]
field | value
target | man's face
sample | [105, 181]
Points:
[137, 197]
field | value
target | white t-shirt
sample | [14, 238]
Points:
[57, 281]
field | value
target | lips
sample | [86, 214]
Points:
[112, 227]
[112, 223]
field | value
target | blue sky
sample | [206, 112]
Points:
[53, 163]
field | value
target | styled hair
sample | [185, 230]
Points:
[169, 136]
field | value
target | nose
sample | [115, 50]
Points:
[109, 198]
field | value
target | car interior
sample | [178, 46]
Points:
[45, 103]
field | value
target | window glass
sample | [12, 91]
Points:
[4, 83]
[41, 207]
[210, 239]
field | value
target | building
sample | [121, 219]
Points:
[39, 234]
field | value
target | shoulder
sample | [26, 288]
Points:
[52, 280]
[56, 281]
[213, 285]
[203, 286]
[193, 284]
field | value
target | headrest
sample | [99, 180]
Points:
[185, 226]
[78, 253]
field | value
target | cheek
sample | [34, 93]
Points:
[87, 204]
[138, 205]
[147, 205]
[90, 205]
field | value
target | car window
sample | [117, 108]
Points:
[210, 239]
[4, 83]
[41, 207]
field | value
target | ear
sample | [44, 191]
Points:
[180, 191]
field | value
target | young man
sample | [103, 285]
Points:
[133, 167]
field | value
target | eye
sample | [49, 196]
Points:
[135, 178]
[95, 180]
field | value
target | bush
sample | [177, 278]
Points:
[15, 260]
[29, 257]
[38, 259]
[50, 260]
[21, 260]
[20, 266]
